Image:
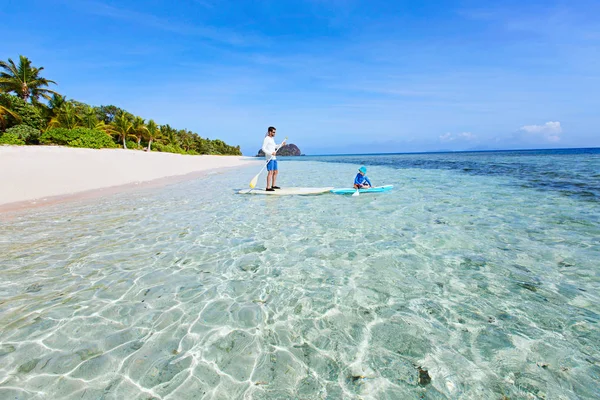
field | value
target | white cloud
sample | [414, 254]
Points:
[548, 127]
[466, 136]
[462, 137]
[446, 137]
[550, 131]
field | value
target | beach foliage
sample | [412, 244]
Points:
[26, 133]
[11, 138]
[21, 112]
[168, 148]
[68, 122]
[77, 137]
[6, 112]
[59, 136]
[92, 138]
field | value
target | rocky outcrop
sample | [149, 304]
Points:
[287, 150]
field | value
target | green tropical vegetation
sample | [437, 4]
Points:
[32, 114]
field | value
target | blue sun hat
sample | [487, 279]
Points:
[363, 170]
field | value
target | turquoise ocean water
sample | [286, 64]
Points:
[477, 277]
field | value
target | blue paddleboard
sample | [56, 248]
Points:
[377, 189]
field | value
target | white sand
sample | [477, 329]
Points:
[37, 172]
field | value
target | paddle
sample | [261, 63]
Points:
[357, 191]
[255, 179]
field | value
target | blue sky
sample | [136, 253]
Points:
[336, 76]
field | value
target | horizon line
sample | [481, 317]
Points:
[443, 152]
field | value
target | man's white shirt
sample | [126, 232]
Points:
[269, 147]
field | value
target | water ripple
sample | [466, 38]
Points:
[451, 286]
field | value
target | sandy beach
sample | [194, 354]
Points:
[32, 173]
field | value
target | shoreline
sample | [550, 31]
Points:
[39, 176]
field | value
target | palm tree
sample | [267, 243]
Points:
[186, 139]
[152, 133]
[5, 111]
[55, 103]
[139, 128]
[50, 110]
[90, 120]
[169, 135]
[122, 127]
[106, 128]
[24, 80]
[109, 129]
[66, 117]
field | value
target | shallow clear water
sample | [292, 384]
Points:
[488, 282]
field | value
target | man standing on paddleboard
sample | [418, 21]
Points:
[270, 148]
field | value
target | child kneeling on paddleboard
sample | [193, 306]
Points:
[361, 180]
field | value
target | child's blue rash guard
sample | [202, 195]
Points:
[360, 179]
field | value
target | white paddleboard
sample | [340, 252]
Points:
[288, 191]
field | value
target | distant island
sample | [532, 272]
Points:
[287, 150]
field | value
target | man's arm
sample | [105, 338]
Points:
[278, 146]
